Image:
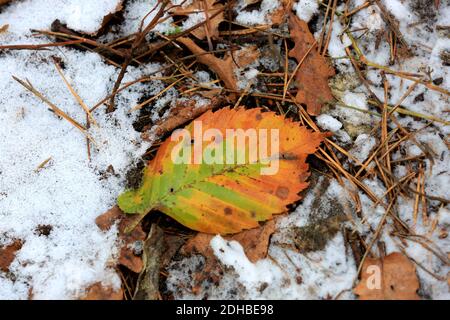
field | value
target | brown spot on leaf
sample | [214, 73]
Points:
[289, 156]
[282, 192]
[227, 211]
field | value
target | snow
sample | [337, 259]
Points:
[363, 145]
[338, 41]
[80, 15]
[256, 17]
[246, 77]
[374, 21]
[70, 191]
[305, 9]
[136, 10]
[327, 122]
[281, 280]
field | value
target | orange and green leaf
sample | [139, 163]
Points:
[226, 198]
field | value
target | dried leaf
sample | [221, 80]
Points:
[226, 197]
[127, 256]
[391, 278]
[255, 243]
[203, 6]
[279, 15]
[4, 28]
[312, 76]
[8, 254]
[226, 67]
[106, 19]
[182, 113]
[99, 292]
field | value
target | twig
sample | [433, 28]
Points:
[129, 57]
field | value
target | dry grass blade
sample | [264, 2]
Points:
[42, 164]
[55, 109]
[75, 94]
[143, 104]
[40, 46]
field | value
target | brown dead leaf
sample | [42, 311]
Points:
[2, 2]
[312, 76]
[106, 19]
[255, 243]
[127, 255]
[279, 15]
[398, 279]
[182, 113]
[224, 68]
[249, 2]
[245, 56]
[4, 28]
[8, 254]
[99, 292]
[207, 8]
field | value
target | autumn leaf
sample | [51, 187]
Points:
[312, 75]
[391, 278]
[224, 68]
[232, 196]
[207, 8]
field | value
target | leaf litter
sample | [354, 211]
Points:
[394, 195]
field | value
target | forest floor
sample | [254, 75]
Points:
[89, 89]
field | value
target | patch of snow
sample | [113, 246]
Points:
[338, 41]
[355, 101]
[136, 10]
[363, 145]
[327, 122]
[305, 9]
[247, 77]
[323, 274]
[69, 191]
[80, 15]
[256, 17]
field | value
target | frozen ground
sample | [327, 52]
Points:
[70, 190]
